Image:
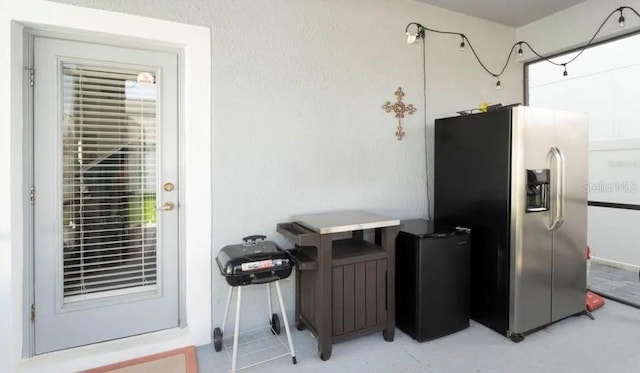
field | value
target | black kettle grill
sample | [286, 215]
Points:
[255, 261]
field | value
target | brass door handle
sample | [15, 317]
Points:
[167, 206]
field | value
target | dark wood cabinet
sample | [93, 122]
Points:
[344, 287]
[359, 293]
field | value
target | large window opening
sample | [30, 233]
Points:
[603, 83]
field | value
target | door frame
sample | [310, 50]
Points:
[196, 41]
[29, 33]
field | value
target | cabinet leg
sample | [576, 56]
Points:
[324, 288]
[300, 325]
[324, 347]
[389, 334]
[298, 299]
[325, 355]
[388, 236]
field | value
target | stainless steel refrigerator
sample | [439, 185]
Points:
[517, 177]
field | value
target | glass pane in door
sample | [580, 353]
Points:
[109, 181]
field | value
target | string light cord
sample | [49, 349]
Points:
[595, 35]
[465, 40]
[631, 9]
[621, 9]
[482, 64]
[426, 132]
[420, 34]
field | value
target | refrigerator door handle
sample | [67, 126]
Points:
[559, 159]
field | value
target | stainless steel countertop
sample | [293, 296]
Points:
[344, 221]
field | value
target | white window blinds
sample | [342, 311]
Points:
[109, 181]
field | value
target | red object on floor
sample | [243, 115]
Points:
[594, 301]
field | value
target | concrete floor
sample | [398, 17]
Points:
[610, 344]
[616, 282]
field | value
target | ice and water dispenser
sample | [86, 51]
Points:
[538, 191]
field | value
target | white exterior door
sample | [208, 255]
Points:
[105, 157]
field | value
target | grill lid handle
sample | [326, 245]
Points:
[254, 238]
[264, 280]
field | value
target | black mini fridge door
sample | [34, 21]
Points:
[432, 280]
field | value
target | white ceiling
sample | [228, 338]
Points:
[513, 13]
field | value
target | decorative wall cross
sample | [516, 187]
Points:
[400, 109]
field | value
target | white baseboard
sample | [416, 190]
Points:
[613, 263]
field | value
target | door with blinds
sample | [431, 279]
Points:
[105, 196]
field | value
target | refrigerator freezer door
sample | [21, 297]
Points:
[531, 240]
[570, 240]
[471, 189]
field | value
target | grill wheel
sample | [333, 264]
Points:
[217, 339]
[275, 324]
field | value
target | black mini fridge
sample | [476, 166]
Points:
[432, 279]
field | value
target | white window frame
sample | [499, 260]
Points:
[193, 43]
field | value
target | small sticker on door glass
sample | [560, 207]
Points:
[146, 78]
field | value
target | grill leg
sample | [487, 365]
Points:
[269, 296]
[236, 332]
[226, 310]
[286, 322]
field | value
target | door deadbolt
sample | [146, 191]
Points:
[168, 187]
